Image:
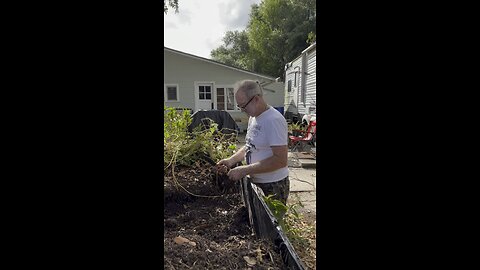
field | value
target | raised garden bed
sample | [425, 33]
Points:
[211, 229]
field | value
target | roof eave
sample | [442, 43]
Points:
[220, 64]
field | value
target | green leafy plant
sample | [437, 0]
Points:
[182, 147]
[185, 148]
[294, 126]
[290, 220]
[175, 127]
[277, 207]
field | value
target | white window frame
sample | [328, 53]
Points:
[165, 93]
[235, 108]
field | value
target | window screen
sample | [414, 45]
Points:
[171, 93]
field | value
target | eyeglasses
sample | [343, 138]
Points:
[244, 106]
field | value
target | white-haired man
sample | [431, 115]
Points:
[265, 150]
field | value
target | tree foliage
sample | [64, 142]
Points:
[277, 32]
[234, 50]
[170, 3]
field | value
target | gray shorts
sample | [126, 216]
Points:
[279, 189]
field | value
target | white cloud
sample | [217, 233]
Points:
[171, 25]
[184, 16]
[235, 14]
[200, 25]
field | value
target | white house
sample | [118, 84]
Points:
[199, 83]
[300, 84]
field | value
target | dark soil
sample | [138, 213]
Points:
[212, 233]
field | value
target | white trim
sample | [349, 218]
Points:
[310, 47]
[165, 92]
[218, 63]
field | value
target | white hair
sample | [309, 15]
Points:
[249, 87]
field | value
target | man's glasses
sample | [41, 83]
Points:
[244, 106]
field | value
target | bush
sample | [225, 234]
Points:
[184, 148]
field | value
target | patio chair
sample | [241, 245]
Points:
[306, 137]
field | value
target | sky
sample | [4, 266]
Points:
[200, 25]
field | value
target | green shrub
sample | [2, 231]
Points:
[184, 148]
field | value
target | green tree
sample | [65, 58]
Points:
[170, 3]
[277, 32]
[312, 38]
[234, 51]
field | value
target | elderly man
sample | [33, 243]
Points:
[266, 150]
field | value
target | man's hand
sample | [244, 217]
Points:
[227, 162]
[237, 173]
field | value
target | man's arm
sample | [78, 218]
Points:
[278, 160]
[234, 159]
[275, 162]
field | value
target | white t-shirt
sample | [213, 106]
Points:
[266, 130]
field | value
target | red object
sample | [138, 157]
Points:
[306, 137]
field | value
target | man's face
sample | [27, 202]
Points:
[244, 103]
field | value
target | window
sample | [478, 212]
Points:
[204, 92]
[230, 99]
[225, 99]
[220, 98]
[171, 92]
[289, 85]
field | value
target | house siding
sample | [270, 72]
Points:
[306, 81]
[292, 98]
[311, 82]
[186, 71]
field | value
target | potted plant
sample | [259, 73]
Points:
[294, 129]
